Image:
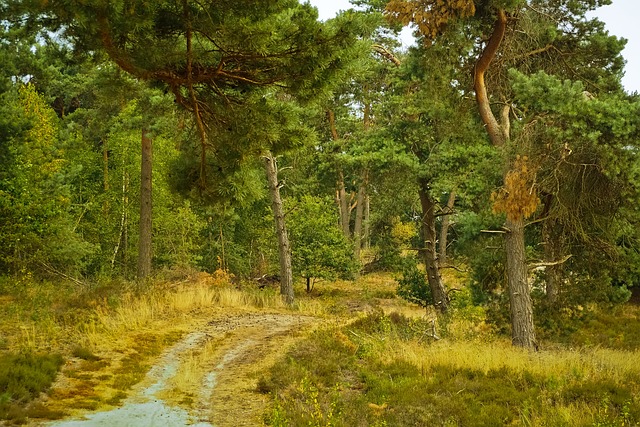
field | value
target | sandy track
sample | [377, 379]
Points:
[250, 344]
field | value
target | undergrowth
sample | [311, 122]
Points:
[385, 371]
[22, 378]
[110, 332]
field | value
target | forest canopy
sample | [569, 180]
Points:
[146, 138]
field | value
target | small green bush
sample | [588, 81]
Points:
[413, 286]
[23, 377]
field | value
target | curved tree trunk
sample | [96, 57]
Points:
[523, 332]
[284, 249]
[429, 253]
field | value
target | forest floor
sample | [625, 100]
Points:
[204, 353]
[226, 395]
[191, 354]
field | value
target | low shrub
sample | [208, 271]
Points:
[379, 371]
[22, 378]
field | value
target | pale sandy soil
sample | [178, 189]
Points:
[227, 395]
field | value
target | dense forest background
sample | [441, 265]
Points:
[502, 144]
[440, 235]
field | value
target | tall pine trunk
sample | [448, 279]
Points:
[284, 249]
[429, 253]
[146, 207]
[522, 332]
[553, 251]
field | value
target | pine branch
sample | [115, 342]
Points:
[386, 54]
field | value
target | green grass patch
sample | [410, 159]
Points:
[131, 372]
[618, 328]
[83, 353]
[118, 397]
[135, 365]
[22, 378]
[359, 376]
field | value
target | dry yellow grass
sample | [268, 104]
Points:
[190, 374]
[485, 356]
[131, 335]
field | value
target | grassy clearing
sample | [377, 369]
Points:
[385, 369]
[381, 371]
[108, 334]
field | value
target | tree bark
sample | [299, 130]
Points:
[553, 251]
[367, 223]
[429, 253]
[343, 204]
[495, 131]
[124, 222]
[523, 331]
[360, 210]
[341, 192]
[284, 248]
[146, 207]
[444, 229]
[105, 166]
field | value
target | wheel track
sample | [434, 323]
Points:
[251, 343]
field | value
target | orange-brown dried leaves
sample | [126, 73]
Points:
[430, 16]
[518, 198]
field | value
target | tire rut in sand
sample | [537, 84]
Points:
[227, 396]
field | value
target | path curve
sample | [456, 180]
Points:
[250, 344]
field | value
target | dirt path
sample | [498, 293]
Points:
[226, 395]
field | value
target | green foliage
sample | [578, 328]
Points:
[23, 377]
[392, 237]
[318, 247]
[240, 239]
[583, 326]
[585, 148]
[177, 242]
[413, 285]
[37, 229]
